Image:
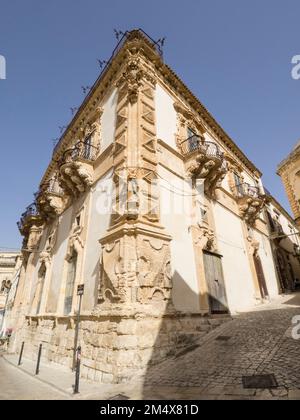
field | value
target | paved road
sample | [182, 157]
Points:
[255, 343]
[16, 385]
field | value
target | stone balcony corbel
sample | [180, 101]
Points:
[204, 160]
[76, 168]
[250, 201]
[31, 217]
[50, 200]
[30, 226]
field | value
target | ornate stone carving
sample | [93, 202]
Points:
[135, 268]
[250, 209]
[137, 195]
[50, 199]
[207, 162]
[34, 238]
[205, 237]
[75, 176]
[131, 79]
[250, 202]
[253, 245]
[76, 240]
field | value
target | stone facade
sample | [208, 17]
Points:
[150, 205]
[289, 171]
[9, 265]
[285, 241]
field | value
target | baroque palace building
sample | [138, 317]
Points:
[153, 207]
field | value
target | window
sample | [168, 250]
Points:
[191, 132]
[271, 222]
[71, 276]
[193, 140]
[88, 148]
[238, 183]
[40, 286]
[237, 179]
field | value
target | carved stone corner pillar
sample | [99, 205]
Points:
[135, 268]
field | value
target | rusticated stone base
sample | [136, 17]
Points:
[117, 348]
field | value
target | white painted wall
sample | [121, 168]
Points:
[269, 269]
[166, 117]
[99, 220]
[237, 272]
[175, 217]
[108, 120]
[59, 260]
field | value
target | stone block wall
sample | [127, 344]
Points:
[114, 349]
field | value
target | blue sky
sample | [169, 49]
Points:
[235, 55]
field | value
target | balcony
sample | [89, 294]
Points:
[76, 168]
[50, 199]
[31, 217]
[250, 201]
[204, 159]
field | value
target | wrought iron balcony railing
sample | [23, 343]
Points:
[50, 187]
[197, 144]
[247, 190]
[81, 150]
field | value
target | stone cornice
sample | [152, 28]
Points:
[292, 158]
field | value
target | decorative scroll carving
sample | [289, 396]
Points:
[76, 240]
[50, 200]
[250, 208]
[136, 195]
[131, 79]
[208, 163]
[135, 268]
[205, 238]
[75, 177]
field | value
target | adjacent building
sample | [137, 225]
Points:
[151, 206]
[9, 262]
[289, 171]
[284, 237]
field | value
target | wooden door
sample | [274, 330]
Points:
[215, 283]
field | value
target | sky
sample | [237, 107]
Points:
[235, 56]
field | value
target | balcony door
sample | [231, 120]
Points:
[215, 283]
[88, 148]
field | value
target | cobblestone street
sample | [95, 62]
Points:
[256, 343]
